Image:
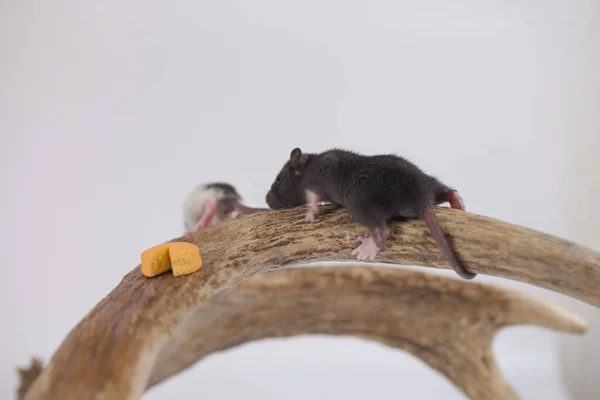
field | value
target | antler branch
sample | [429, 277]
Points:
[146, 330]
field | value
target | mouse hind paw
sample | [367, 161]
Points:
[455, 200]
[367, 250]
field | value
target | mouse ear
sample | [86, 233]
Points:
[295, 157]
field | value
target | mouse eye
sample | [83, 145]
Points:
[277, 179]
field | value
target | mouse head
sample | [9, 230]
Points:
[227, 205]
[287, 191]
[227, 198]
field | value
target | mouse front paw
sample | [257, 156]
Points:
[310, 216]
[367, 250]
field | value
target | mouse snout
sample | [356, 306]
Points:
[271, 201]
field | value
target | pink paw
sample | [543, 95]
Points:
[367, 250]
[455, 200]
[310, 216]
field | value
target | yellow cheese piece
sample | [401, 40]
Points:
[185, 258]
[155, 260]
[182, 258]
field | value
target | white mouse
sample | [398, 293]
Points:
[210, 203]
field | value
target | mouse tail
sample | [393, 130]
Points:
[244, 210]
[442, 242]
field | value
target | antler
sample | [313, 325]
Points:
[447, 323]
[112, 353]
[28, 375]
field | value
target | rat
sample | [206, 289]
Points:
[210, 203]
[373, 189]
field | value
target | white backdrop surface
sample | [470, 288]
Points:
[110, 112]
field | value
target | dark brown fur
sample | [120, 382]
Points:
[373, 189]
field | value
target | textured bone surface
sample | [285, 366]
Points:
[446, 322]
[112, 353]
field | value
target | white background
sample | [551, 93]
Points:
[110, 112]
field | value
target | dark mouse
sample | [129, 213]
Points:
[373, 189]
